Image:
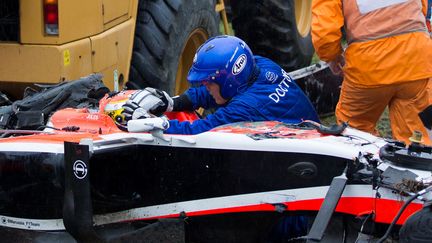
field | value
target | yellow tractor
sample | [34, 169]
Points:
[138, 43]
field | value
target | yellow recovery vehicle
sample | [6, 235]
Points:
[144, 42]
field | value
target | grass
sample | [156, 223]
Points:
[383, 125]
[315, 59]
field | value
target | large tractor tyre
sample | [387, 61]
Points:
[279, 30]
[167, 35]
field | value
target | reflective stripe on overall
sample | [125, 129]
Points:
[371, 19]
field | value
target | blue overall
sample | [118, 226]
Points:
[274, 96]
[429, 6]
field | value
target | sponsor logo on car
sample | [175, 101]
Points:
[80, 169]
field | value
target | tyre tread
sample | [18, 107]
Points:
[159, 36]
[272, 31]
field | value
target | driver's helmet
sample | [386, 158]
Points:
[225, 60]
[112, 105]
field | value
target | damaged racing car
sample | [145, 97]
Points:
[76, 175]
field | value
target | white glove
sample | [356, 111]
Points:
[149, 100]
[148, 124]
[159, 102]
[132, 108]
[134, 111]
[140, 113]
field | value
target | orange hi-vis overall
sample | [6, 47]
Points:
[388, 61]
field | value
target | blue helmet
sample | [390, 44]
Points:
[225, 60]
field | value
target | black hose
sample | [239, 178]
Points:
[401, 210]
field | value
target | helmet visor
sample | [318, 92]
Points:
[196, 75]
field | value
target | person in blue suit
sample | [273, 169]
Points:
[242, 87]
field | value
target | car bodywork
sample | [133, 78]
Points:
[99, 176]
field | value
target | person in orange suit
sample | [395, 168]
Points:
[387, 62]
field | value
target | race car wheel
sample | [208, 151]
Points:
[167, 35]
[418, 227]
[279, 30]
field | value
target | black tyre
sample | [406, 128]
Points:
[167, 34]
[277, 29]
[418, 227]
